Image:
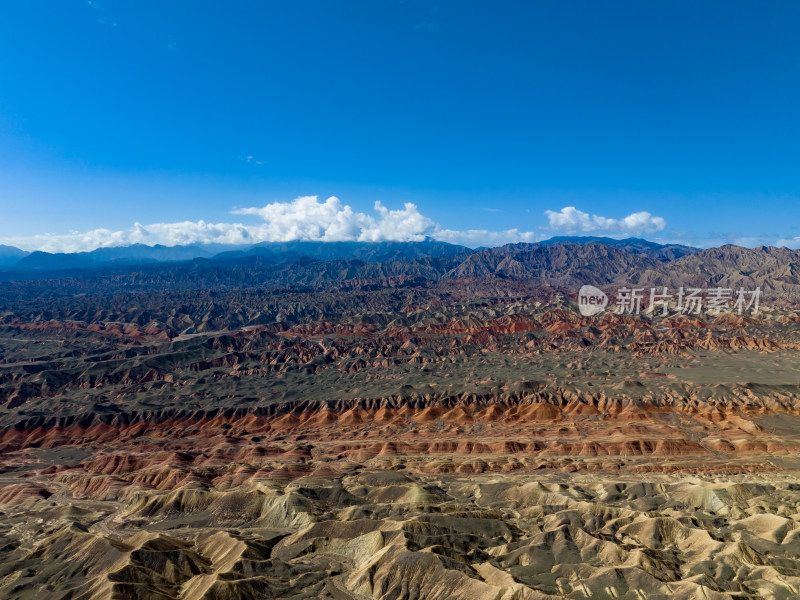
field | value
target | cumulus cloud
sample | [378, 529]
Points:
[568, 220]
[571, 220]
[167, 234]
[307, 218]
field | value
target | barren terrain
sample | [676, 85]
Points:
[469, 435]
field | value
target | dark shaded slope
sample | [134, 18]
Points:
[558, 264]
[662, 252]
[372, 252]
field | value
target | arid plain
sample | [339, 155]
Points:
[417, 428]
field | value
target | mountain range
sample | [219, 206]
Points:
[274, 252]
[565, 263]
[10, 255]
[15, 259]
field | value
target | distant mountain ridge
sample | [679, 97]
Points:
[273, 252]
[371, 252]
[390, 265]
[288, 252]
[561, 263]
[10, 255]
[662, 252]
[135, 254]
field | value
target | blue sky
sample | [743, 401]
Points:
[484, 116]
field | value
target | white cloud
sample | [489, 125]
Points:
[167, 234]
[792, 243]
[571, 220]
[309, 219]
[305, 218]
